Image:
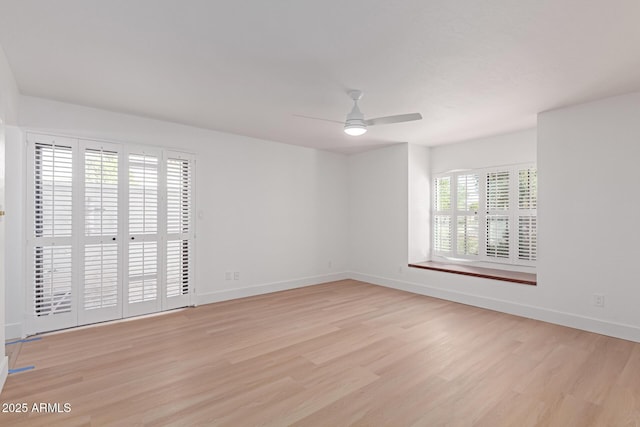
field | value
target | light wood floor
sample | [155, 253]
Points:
[342, 353]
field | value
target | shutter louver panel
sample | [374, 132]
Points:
[497, 231]
[497, 236]
[178, 196]
[179, 228]
[468, 192]
[143, 194]
[101, 193]
[143, 271]
[468, 229]
[527, 214]
[100, 276]
[443, 194]
[442, 233]
[53, 190]
[443, 228]
[466, 215]
[527, 189]
[498, 191]
[178, 255]
[52, 280]
[527, 238]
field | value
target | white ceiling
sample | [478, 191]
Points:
[472, 68]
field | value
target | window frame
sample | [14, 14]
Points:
[514, 212]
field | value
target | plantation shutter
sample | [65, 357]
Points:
[101, 283]
[143, 191]
[442, 233]
[50, 244]
[180, 230]
[527, 214]
[467, 222]
[497, 219]
[111, 231]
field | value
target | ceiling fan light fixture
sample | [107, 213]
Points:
[355, 129]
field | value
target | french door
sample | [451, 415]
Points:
[143, 274]
[100, 232]
[112, 232]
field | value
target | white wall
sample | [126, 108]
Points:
[8, 112]
[588, 208]
[378, 218]
[378, 213]
[499, 150]
[276, 213]
[419, 188]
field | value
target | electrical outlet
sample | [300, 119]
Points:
[598, 300]
[330, 264]
[236, 275]
[228, 275]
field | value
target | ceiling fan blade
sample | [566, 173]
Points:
[318, 118]
[394, 119]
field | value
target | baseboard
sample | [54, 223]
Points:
[613, 329]
[4, 371]
[265, 288]
[13, 330]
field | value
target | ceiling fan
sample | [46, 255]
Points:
[355, 123]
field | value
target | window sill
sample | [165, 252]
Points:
[485, 273]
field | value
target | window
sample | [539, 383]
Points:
[486, 215]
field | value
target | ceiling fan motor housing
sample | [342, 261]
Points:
[355, 124]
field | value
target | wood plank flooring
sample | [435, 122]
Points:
[337, 354]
